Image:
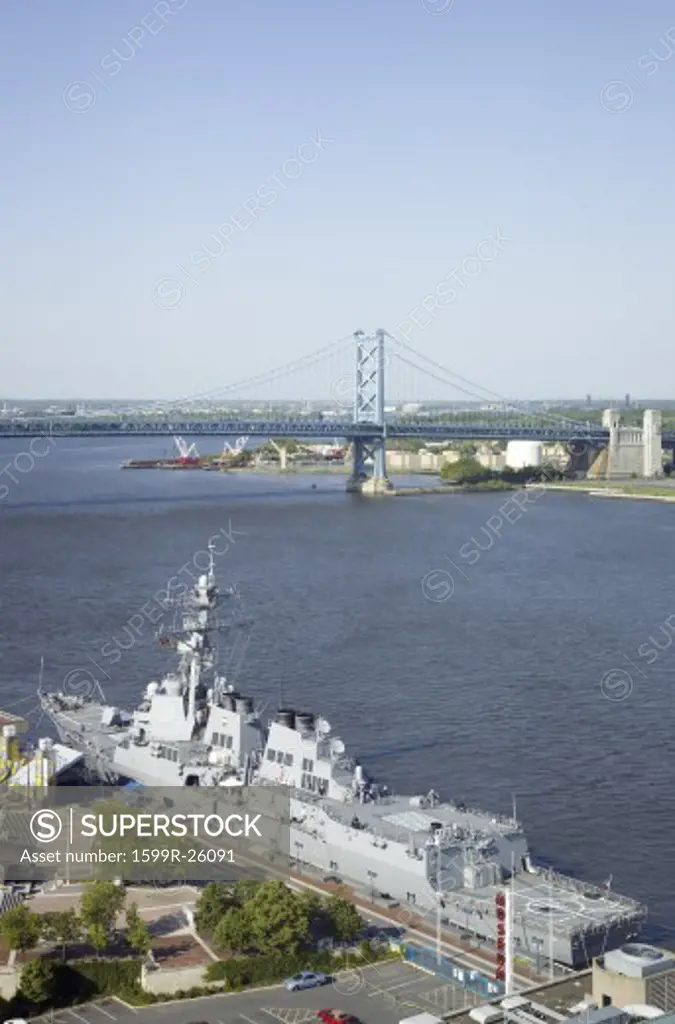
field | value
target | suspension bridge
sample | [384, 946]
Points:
[352, 373]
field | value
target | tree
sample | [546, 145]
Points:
[98, 936]
[279, 920]
[312, 904]
[271, 448]
[38, 980]
[137, 932]
[245, 890]
[100, 907]
[21, 928]
[214, 902]
[233, 932]
[466, 470]
[345, 920]
[62, 927]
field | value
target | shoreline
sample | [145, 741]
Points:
[667, 496]
[594, 490]
[402, 492]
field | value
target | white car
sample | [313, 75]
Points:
[306, 979]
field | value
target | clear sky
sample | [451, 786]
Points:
[138, 136]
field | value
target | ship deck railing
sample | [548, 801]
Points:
[464, 905]
[576, 885]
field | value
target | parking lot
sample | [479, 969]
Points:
[381, 994]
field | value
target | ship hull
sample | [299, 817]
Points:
[547, 913]
[545, 910]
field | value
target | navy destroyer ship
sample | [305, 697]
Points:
[193, 729]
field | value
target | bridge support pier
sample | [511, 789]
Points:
[369, 468]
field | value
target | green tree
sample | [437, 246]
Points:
[214, 902]
[38, 980]
[233, 932]
[245, 890]
[405, 444]
[100, 907]
[61, 927]
[137, 931]
[289, 443]
[98, 936]
[272, 447]
[345, 920]
[312, 903]
[466, 470]
[279, 920]
[21, 928]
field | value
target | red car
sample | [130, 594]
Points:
[336, 1017]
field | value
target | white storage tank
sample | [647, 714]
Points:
[520, 454]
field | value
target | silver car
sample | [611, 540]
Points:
[306, 979]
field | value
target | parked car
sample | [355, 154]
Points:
[306, 979]
[332, 879]
[336, 1017]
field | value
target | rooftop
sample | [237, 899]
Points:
[559, 996]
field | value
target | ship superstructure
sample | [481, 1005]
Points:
[192, 728]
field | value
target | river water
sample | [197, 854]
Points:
[527, 673]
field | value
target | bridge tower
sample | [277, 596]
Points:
[633, 451]
[369, 468]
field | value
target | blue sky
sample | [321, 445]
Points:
[135, 133]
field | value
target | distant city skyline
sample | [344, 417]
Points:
[194, 192]
[77, 404]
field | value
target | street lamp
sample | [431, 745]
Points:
[537, 943]
[298, 847]
[372, 875]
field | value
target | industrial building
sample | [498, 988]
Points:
[635, 974]
[536, 1008]
[629, 985]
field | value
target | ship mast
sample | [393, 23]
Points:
[199, 648]
[192, 638]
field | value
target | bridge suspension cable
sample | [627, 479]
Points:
[435, 376]
[449, 373]
[506, 403]
[286, 369]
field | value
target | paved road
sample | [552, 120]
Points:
[381, 994]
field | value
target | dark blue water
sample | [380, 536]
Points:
[493, 692]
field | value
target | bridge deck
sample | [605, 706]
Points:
[310, 429]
